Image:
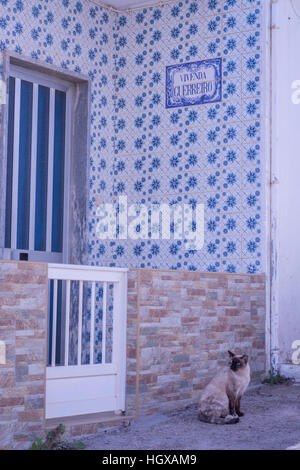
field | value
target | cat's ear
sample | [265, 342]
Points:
[245, 358]
[231, 354]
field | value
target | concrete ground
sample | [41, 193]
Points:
[271, 422]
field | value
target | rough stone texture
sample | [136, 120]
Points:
[23, 305]
[180, 326]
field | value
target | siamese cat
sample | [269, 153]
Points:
[221, 398]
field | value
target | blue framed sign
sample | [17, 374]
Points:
[194, 83]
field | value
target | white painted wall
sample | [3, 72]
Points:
[285, 173]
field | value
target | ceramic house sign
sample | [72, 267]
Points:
[194, 83]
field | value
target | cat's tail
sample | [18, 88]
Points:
[229, 419]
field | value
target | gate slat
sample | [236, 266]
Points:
[104, 306]
[67, 332]
[54, 323]
[92, 336]
[80, 300]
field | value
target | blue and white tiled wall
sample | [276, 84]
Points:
[209, 153]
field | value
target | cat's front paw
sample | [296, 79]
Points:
[240, 413]
[231, 419]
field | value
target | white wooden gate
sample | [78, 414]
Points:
[75, 384]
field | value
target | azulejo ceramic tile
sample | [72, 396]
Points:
[206, 153]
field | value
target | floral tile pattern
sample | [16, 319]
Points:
[210, 153]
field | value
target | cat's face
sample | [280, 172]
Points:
[237, 361]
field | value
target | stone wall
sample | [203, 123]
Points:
[180, 326]
[23, 304]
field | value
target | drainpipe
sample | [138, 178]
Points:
[273, 193]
